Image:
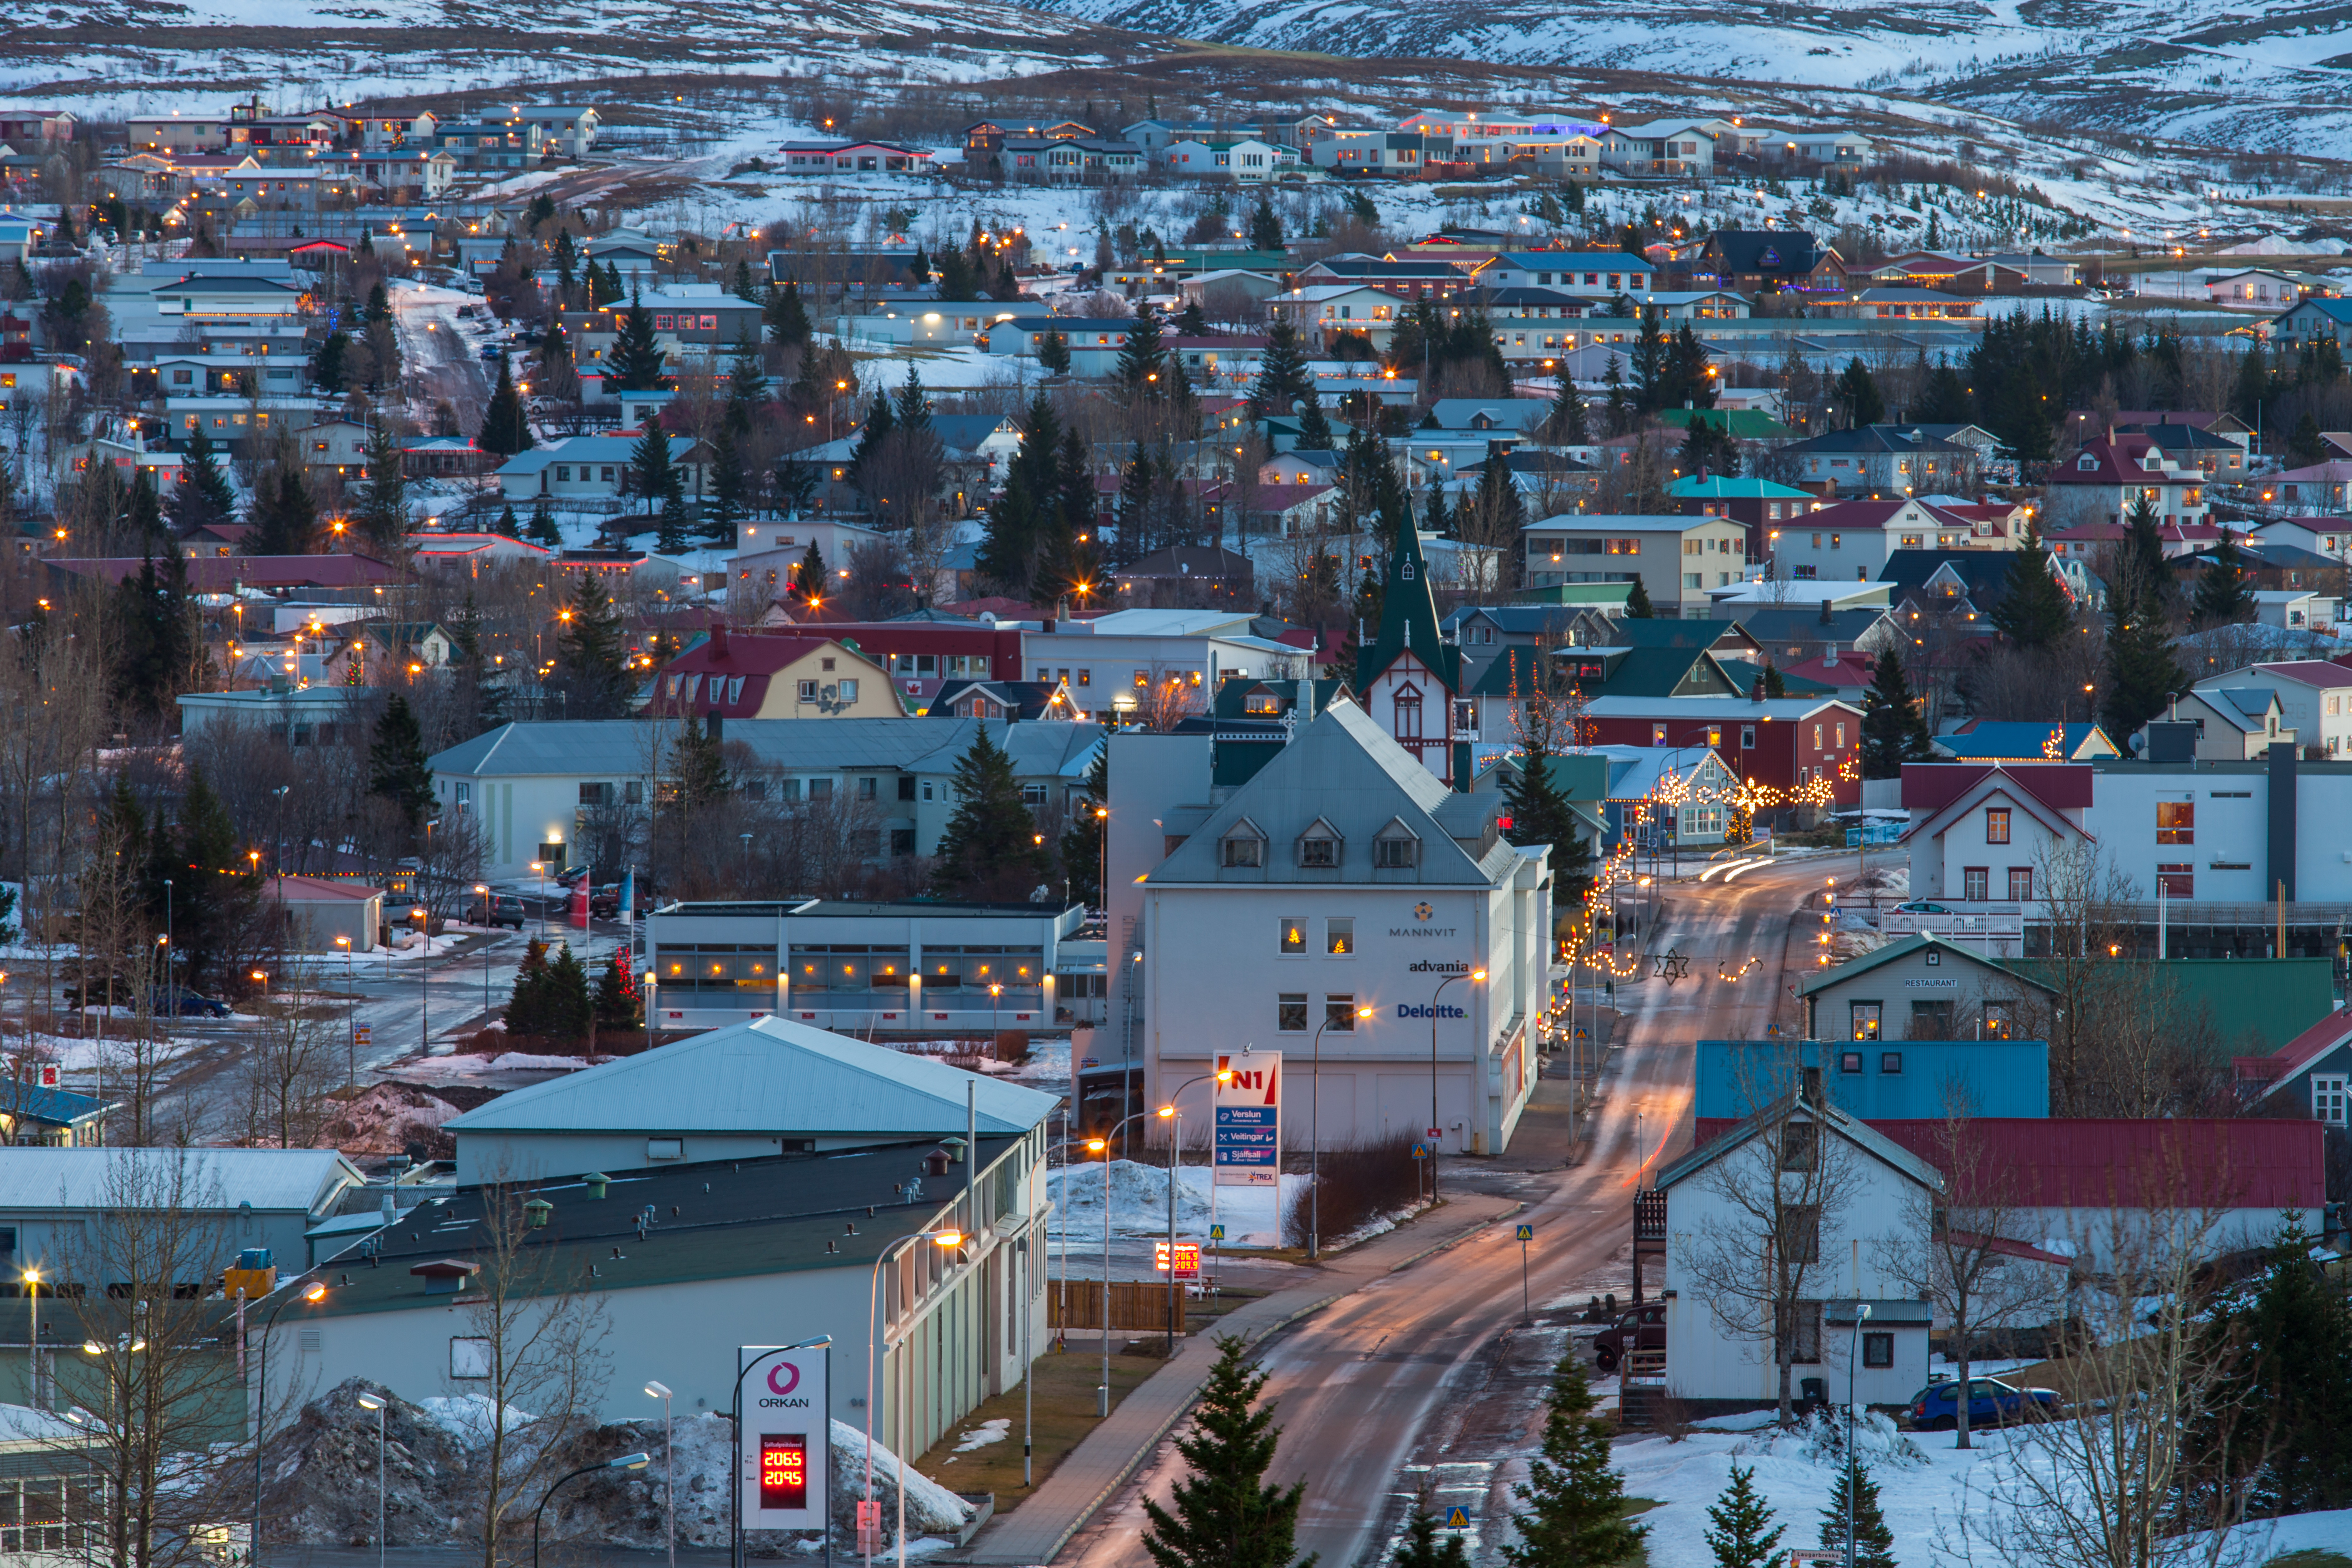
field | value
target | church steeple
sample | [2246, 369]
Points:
[1409, 618]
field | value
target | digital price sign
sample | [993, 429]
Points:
[783, 1469]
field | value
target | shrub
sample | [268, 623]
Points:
[1355, 1185]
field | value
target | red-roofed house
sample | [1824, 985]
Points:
[318, 910]
[2087, 539]
[733, 676]
[1977, 833]
[2099, 483]
[2310, 1073]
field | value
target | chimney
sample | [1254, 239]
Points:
[718, 640]
[1825, 610]
[1756, 690]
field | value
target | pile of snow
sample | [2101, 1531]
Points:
[385, 1117]
[467, 1418]
[1819, 1439]
[987, 1432]
[1139, 1200]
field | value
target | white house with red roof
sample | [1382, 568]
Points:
[2312, 1073]
[2314, 699]
[1852, 539]
[734, 675]
[2085, 542]
[2099, 483]
[1981, 834]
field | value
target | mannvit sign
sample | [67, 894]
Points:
[1248, 1149]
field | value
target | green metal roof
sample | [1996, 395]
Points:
[1409, 619]
[1720, 487]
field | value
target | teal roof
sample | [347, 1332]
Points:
[1716, 487]
[1409, 619]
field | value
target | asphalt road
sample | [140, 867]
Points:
[1357, 1383]
[442, 364]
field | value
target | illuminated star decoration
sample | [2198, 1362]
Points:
[1674, 966]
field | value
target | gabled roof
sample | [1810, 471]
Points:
[2248, 708]
[2281, 1066]
[282, 1179]
[2002, 741]
[1904, 948]
[1992, 782]
[767, 1075]
[1408, 620]
[2095, 1163]
[2112, 461]
[1859, 1134]
[2318, 672]
[1717, 487]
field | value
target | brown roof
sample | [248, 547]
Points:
[218, 573]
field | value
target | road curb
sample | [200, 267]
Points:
[1150, 1444]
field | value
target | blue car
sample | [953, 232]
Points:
[1992, 1403]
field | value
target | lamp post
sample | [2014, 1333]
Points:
[660, 1391]
[539, 869]
[652, 984]
[625, 1462]
[1861, 1316]
[1436, 1127]
[1102, 1395]
[310, 1295]
[943, 1239]
[1315, 1134]
[1175, 1120]
[423, 977]
[171, 970]
[371, 1402]
[261, 978]
[32, 1341]
[483, 888]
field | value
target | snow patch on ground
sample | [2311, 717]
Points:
[1138, 1204]
[467, 1417]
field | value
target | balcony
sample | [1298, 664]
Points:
[1952, 918]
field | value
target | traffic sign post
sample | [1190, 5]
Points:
[1457, 1518]
[1526, 1233]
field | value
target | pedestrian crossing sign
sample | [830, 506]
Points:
[1526, 1233]
[1583, 1033]
[1457, 1518]
[1421, 1150]
[1216, 1233]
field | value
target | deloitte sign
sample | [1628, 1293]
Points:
[1433, 1010]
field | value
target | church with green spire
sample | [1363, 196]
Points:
[1410, 681]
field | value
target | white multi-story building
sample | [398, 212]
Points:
[1342, 906]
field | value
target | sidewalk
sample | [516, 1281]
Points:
[1044, 1522]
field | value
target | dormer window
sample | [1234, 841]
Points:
[1395, 850]
[1243, 846]
[1318, 846]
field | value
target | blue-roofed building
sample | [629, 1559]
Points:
[46, 1115]
[2311, 321]
[2001, 740]
[1878, 1079]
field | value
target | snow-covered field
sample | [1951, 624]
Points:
[1138, 1204]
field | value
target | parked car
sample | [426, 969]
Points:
[1921, 907]
[1644, 1327]
[569, 876]
[190, 1004]
[492, 353]
[1992, 1403]
[604, 903]
[505, 911]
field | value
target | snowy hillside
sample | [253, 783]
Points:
[2267, 78]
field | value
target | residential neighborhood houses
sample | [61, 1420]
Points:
[1469, 689]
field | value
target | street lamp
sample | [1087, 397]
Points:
[310, 1295]
[947, 1239]
[539, 869]
[651, 983]
[1436, 1128]
[1861, 1316]
[371, 1402]
[484, 889]
[1175, 1120]
[33, 1293]
[659, 1390]
[1315, 1130]
[625, 1462]
[261, 978]
[1102, 1145]
[424, 976]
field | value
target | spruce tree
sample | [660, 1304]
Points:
[1566, 423]
[809, 578]
[2223, 595]
[526, 1007]
[1857, 394]
[397, 768]
[1222, 1514]
[670, 532]
[216, 891]
[786, 318]
[616, 1001]
[142, 517]
[1574, 1503]
[283, 518]
[568, 1011]
[1873, 1544]
[1893, 730]
[592, 653]
[506, 524]
[1141, 372]
[1053, 353]
[2288, 1342]
[2034, 611]
[1423, 1547]
[697, 768]
[1637, 601]
[990, 848]
[747, 386]
[542, 530]
[2143, 552]
[384, 505]
[2142, 674]
[202, 497]
[730, 481]
[651, 473]
[158, 634]
[506, 427]
[636, 360]
[1282, 380]
[1081, 845]
[1775, 687]
[1314, 428]
[1265, 227]
[1744, 1535]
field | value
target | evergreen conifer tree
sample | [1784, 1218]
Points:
[506, 524]
[2143, 560]
[527, 1005]
[2223, 595]
[202, 497]
[786, 318]
[1136, 485]
[697, 768]
[1775, 686]
[1893, 730]
[1423, 1546]
[1858, 395]
[651, 473]
[1282, 380]
[636, 360]
[1222, 1514]
[1314, 428]
[384, 505]
[1081, 844]
[1637, 601]
[617, 1001]
[506, 427]
[215, 890]
[2288, 1341]
[592, 653]
[1265, 227]
[397, 769]
[879, 422]
[542, 530]
[1025, 516]
[747, 386]
[1566, 423]
[158, 634]
[1435, 517]
[570, 1011]
[142, 515]
[1054, 353]
[2034, 611]
[670, 532]
[2142, 674]
[1141, 372]
[1873, 1544]
[1618, 396]
[809, 581]
[730, 482]
[327, 365]
[990, 848]
[283, 517]
[1574, 1504]
[1744, 1535]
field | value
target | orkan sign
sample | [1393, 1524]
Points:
[782, 1447]
[1249, 1122]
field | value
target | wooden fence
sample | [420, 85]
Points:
[1135, 1304]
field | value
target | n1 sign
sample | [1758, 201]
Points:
[1249, 1122]
[782, 1442]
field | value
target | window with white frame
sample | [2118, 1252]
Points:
[2328, 1099]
